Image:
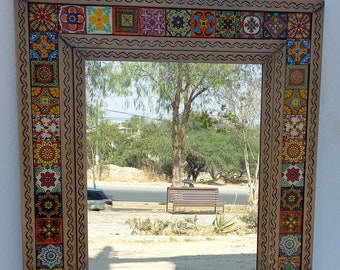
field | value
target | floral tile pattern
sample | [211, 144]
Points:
[152, 22]
[297, 77]
[293, 174]
[290, 263]
[47, 179]
[46, 127]
[203, 23]
[43, 18]
[49, 256]
[299, 26]
[292, 198]
[46, 153]
[99, 20]
[290, 245]
[251, 24]
[49, 230]
[72, 19]
[298, 52]
[45, 100]
[228, 24]
[294, 127]
[43, 46]
[48, 205]
[44, 73]
[291, 222]
[275, 25]
[178, 23]
[293, 151]
[126, 21]
[295, 102]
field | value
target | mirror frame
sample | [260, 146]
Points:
[75, 49]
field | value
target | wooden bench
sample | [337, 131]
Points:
[195, 197]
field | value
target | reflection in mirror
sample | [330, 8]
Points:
[155, 128]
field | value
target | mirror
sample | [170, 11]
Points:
[129, 160]
[289, 89]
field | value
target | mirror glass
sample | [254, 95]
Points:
[131, 124]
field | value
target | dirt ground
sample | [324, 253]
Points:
[111, 245]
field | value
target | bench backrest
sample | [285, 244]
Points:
[193, 194]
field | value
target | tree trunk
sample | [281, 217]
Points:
[176, 164]
[93, 158]
[246, 162]
[256, 182]
[176, 140]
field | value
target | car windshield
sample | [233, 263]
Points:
[96, 195]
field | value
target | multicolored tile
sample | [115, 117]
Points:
[47, 179]
[228, 24]
[44, 73]
[178, 23]
[203, 23]
[299, 25]
[126, 21]
[152, 22]
[290, 263]
[293, 174]
[45, 100]
[294, 127]
[43, 46]
[290, 245]
[251, 24]
[291, 222]
[72, 19]
[48, 231]
[99, 20]
[291, 198]
[49, 256]
[275, 25]
[295, 102]
[294, 151]
[48, 205]
[46, 154]
[43, 17]
[296, 77]
[298, 52]
[46, 127]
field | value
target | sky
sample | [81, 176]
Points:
[117, 111]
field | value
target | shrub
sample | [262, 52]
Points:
[159, 226]
[223, 224]
[251, 218]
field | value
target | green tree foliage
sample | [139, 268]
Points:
[157, 136]
[98, 129]
[173, 87]
[101, 135]
[219, 150]
[240, 110]
[214, 116]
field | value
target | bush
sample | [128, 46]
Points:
[161, 227]
[251, 218]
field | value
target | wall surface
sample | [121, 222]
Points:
[10, 213]
[327, 217]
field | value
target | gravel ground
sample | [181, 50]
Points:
[111, 245]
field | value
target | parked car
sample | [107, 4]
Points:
[97, 200]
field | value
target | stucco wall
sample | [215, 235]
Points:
[327, 218]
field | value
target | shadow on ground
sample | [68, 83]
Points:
[108, 259]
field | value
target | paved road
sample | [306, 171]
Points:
[157, 193]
